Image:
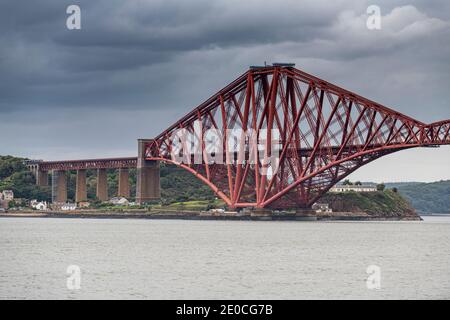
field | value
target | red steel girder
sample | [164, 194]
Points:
[110, 163]
[326, 133]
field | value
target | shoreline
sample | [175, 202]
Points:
[196, 215]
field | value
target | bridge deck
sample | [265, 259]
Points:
[108, 163]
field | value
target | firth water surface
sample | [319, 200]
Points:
[176, 259]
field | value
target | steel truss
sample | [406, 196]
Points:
[326, 133]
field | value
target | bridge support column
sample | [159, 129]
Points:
[42, 178]
[102, 185]
[34, 171]
[59, 186]
[124, 183]
[81, 192]
[147, 184]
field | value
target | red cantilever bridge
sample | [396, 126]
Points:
[325, 134]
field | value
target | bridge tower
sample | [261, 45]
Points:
[147, 184]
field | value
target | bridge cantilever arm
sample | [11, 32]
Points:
[436, 133]
[443, 122]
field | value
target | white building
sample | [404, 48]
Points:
[119, 201]
[354, 188]
[217, 211]
[69, 207]
[42, 206]
[322, 208]
[39, 205]
[7, 195]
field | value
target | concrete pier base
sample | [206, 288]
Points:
[81, 191]
[102, 185]
[305, 214]
[59, 186]
[42, 178]
[124, 183]
[147, 184]
[261, 214]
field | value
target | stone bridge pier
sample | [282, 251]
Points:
[42, 178]
[148, 182]
[102, 185]
[59, 186]
[124, 183]
[40, 174]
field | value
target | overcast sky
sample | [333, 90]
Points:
[137, 66]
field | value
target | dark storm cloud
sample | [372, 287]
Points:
[129, 52]
[48, 66]
[145, 63]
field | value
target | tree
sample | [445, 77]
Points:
[10, 165]
[381, 187]
[358, 183]
[12, 204]
[15, 176]
[347, 183]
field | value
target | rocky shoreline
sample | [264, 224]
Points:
[196, 215]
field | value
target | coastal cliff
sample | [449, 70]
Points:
[379, 205]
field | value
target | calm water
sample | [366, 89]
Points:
[156, 259]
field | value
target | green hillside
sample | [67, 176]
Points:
[387, 203]
[15, 176]
[426, 197]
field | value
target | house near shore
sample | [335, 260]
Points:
[69, 207]
[354, 188]
[322, 208]
[39, 205]
[119, 201]
[217, 211]
[7, 195]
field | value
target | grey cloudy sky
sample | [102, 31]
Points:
[137, 66]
